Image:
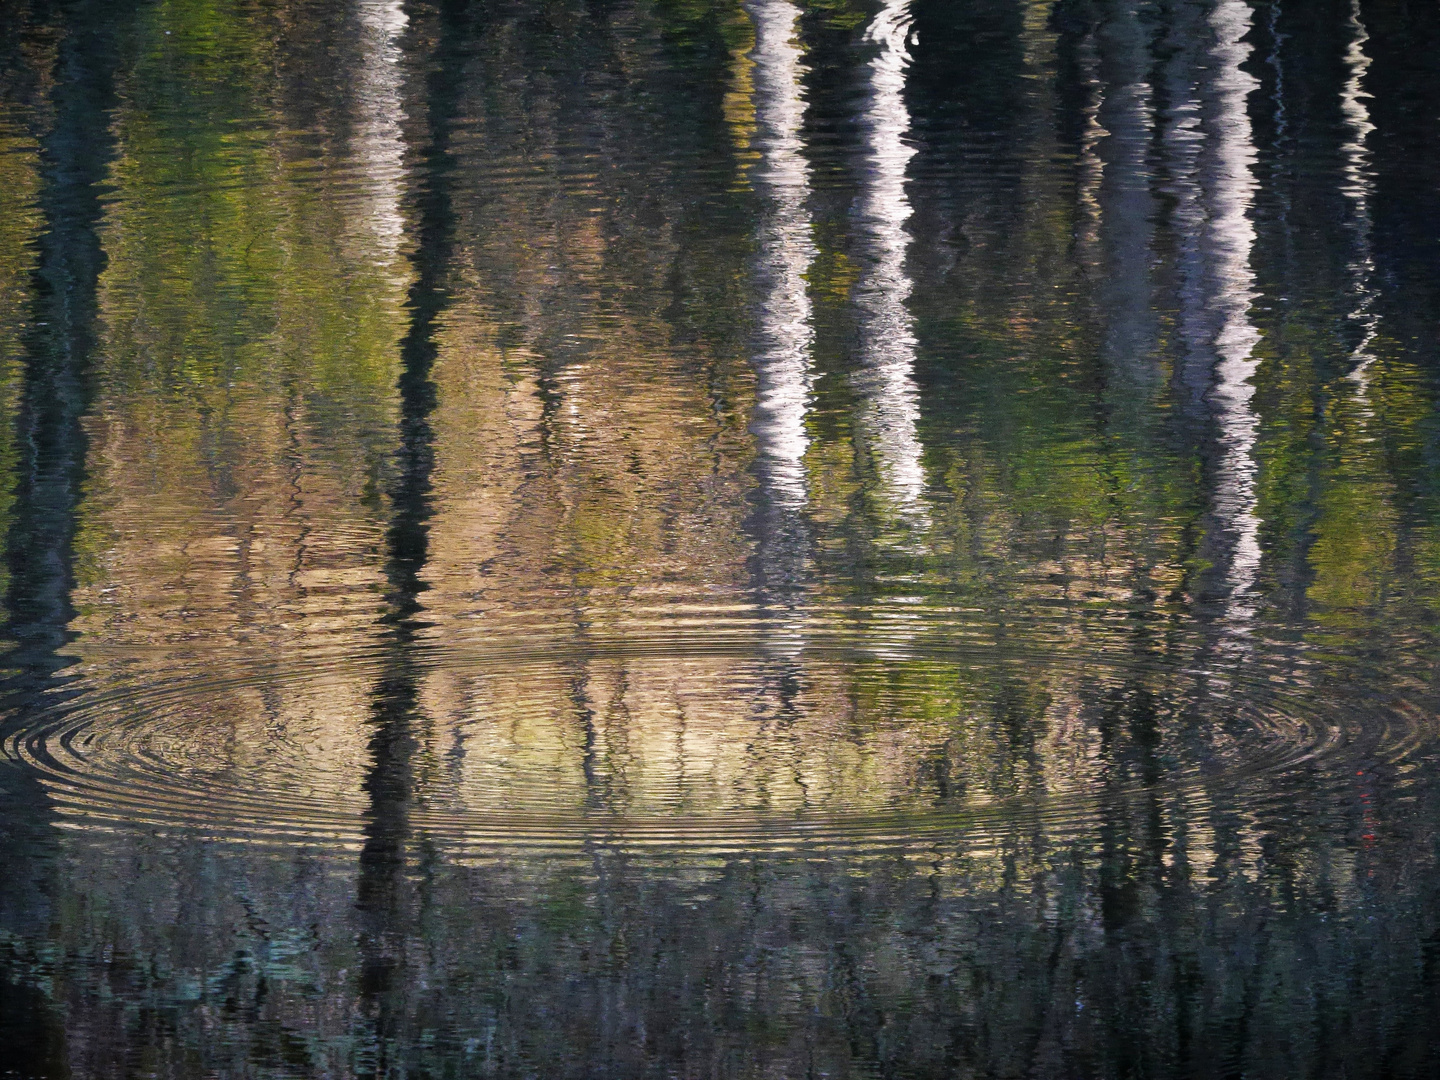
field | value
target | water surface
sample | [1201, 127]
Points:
[719, 539]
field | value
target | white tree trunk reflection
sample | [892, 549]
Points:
[1211, 153]
[379, 139]
[886, 377]
[786, 334]
[785, 329]
[1358, 188]
[1232, 238]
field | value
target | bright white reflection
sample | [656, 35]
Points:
[1359, 183]
[886, 378]
[782, 358]
[1231, 239]
[1211, 153]
[379, 146]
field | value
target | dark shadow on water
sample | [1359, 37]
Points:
[75, 150]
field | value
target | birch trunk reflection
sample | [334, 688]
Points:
[379, 145]
[782, 358]
[1231, 237]
[785, 334]
[1357, 188]
[1210, 158]
[886, 379]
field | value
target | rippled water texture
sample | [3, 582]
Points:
[719, 538]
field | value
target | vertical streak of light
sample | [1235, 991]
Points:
[1231, 239]
[886, 378]
[1281, 119]
[379, 139]
[1184, 141]
[1091, 168]
[1126, 114]
[785, 330]
[786, 333]
[1278, 99]
[1358, 186]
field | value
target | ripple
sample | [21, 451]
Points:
[706, 744]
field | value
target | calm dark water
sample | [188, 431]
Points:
[710, 539]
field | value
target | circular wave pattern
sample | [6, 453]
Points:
[707, 745]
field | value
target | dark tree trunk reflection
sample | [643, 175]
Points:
[75, 148]
[383, 890]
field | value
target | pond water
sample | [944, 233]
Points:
[701, 538]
